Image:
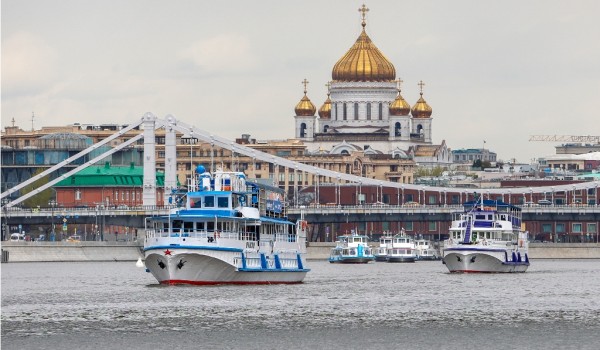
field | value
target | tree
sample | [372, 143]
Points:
[41, 199]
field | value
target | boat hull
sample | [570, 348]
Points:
[401, 259]
[429, 258]
[351, 260]
[473, 261]
[205, 269]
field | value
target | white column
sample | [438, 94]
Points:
[149, 186]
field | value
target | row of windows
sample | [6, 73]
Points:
[576, 228]
[344, 108]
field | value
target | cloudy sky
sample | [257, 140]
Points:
[497, 71]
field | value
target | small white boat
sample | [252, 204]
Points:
[487, 237]
[226, 231]
[385, 242]
[425, 250]
[402, 250]
[352, 249]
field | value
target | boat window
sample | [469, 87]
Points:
[480, 217]
[210, 226]
[200, 226]
[177, 224]
[223, 202]
[188, 226]
[209, 201]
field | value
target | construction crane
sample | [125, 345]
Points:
[566, 138]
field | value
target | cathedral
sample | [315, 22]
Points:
[365, 111]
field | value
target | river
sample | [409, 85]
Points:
[115, 305]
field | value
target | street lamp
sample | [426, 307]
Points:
[52, 204]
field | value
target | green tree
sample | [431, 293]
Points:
[41, 199]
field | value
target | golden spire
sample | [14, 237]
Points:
[399, 106]
[305, 107]
[325, 110]
[364, 61]
[421, 109]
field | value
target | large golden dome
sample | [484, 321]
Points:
[421, 109]
[305, 107]
[364, 61]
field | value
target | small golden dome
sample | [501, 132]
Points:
[364, 61]
[399, 106]
[421, 109]
[305, 107]
[325, 110]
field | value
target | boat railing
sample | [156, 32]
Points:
[210, 235]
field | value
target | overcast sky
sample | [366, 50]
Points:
[497, 71]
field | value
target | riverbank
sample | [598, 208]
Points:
[132, 251]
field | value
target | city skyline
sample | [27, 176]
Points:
[494, 73]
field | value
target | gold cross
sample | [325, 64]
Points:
[328, 85]
[364, 11]
[421, 84]
[305, 82]
[399, 82]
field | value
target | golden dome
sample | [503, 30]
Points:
[399, 106]
[305, 107]
[364, 61]
[325, 110]
[421, 109]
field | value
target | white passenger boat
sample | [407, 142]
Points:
[352, 249]
[385, 243]
[487, 237]
[425, 250]
[226, 231]
[403, 249]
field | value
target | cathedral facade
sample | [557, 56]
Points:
[364, 110]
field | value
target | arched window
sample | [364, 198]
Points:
[303, 130]
[356, 111]
[380, 111]
[345, 152]
[325, 128]
[345, 112]
[397, 129]
[420, 129]
[369, 111]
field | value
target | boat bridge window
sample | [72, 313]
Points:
[209, 201]
[195, 202]
[223, 202]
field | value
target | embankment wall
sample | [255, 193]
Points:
[132, 251]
